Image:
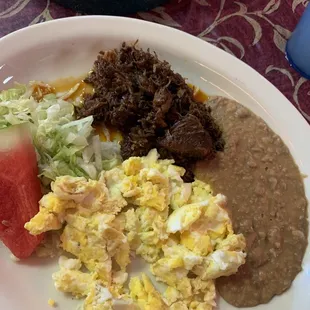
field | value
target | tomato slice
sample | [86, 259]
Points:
[20, 190]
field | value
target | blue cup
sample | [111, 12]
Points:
[298, 46]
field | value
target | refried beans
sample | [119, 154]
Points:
[266, 200]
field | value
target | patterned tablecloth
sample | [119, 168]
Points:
[254, 31]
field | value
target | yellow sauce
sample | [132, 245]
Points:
[107, 133]
[65, 84]
[199, 95]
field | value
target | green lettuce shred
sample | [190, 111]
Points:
[64, 145]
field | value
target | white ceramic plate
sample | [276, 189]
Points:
[68, 47]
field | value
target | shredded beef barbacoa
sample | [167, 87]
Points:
[152, 106]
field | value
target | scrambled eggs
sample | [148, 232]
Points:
[141, 207]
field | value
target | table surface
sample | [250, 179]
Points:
[254, 31]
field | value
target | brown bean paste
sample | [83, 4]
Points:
[267, 202]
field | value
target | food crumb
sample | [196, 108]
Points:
[51, 302]
[14, 258]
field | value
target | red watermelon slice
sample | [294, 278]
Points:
[20, 190]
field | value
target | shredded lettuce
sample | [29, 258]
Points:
[64, 145]
[13, 93]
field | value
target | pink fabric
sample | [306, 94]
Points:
[254, 31]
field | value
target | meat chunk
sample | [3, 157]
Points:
[152, 106]
[188, 138]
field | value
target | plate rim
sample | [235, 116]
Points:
[169, 31]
